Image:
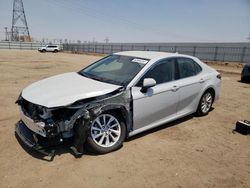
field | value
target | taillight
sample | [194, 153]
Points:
[219, 76]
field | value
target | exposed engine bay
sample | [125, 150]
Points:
[51, 126]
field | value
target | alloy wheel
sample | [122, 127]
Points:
[105, 130]
[206, 102]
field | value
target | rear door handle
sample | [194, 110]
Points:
[175, 88]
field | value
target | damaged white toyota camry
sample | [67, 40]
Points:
[114, 98]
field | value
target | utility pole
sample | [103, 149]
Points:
[6, 34]
[106, 40]
[19, 22]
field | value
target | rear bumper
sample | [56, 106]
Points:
[217, 89]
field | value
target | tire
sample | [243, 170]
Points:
[104, 139]
[205, 103]
[43, 51]
[55, 51]
[245, 79]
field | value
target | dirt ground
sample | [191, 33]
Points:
[191, 152]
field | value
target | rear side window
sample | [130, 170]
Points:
[187, 67]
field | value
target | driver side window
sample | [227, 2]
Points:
[161, 72]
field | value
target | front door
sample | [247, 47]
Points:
[159, 102]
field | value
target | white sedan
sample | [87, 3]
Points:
[116, 97]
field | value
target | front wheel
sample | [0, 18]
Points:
[205, 103]
[107, 133]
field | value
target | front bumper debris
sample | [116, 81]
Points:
[37, 127]
[34, 141]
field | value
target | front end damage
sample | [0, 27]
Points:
[41, 127]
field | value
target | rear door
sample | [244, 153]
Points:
[159, 102]
[190, 85]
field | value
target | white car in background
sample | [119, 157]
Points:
[49, 48]
[116, 97]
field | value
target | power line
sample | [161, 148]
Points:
[120, 19]
[100, 16]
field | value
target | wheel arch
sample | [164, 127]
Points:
[120, 110]
[212, 90]
[209, 88]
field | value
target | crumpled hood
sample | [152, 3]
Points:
[65, 89]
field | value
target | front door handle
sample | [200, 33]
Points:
[202, 80]
[175, 88]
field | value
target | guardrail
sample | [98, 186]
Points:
[233, 52]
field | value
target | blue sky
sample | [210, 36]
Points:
[134, 20]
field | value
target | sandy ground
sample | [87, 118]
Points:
[191, 152]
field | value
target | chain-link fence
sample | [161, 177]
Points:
[21, 45]
[233, 52]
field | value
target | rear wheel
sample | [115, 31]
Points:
[107, 133]
[205, 104]
[55, 51]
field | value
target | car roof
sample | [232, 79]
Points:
[149, 54]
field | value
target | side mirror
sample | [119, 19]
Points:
[147, 83]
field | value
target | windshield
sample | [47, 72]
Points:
[115, 69]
